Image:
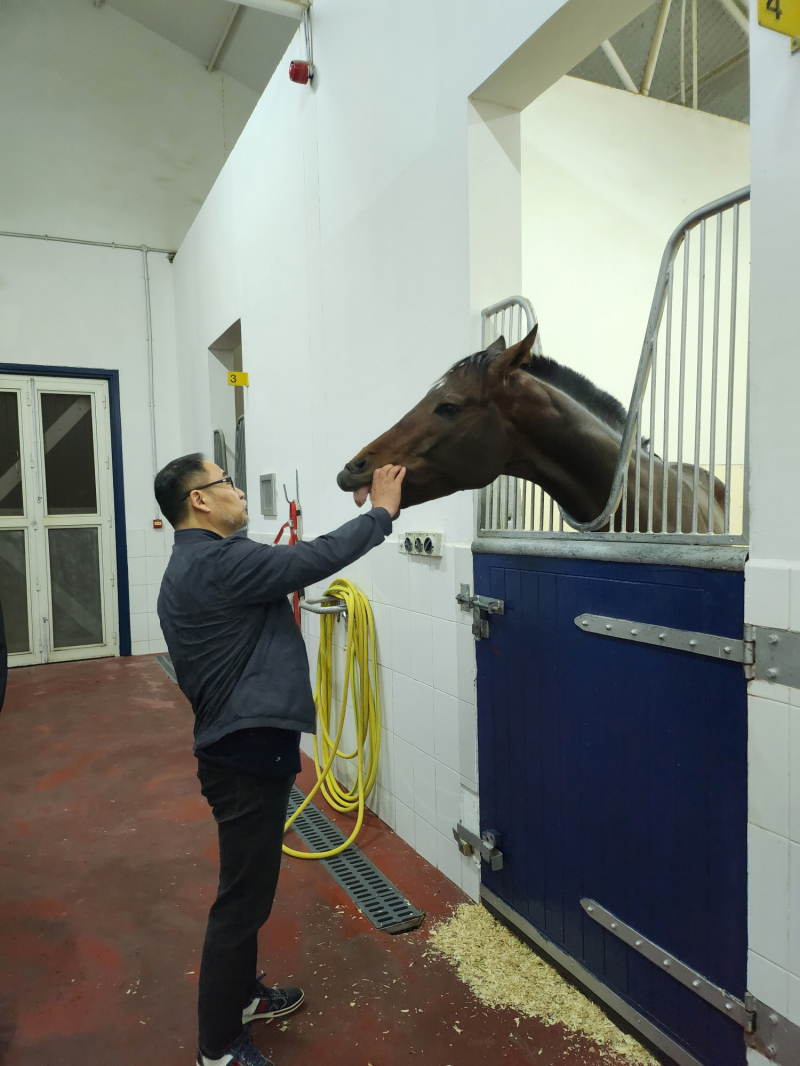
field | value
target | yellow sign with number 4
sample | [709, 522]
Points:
[780, 15]
[238, 377]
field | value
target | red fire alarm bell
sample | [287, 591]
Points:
[157, 523]
[300, 71]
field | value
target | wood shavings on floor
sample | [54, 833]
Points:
[502, 971]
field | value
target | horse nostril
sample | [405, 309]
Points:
[357, 466]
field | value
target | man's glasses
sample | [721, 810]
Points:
[196, 488]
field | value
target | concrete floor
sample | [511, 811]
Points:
[109, 867]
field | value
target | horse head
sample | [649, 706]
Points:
[457, 437]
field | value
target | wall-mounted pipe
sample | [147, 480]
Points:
[150, 366]
[293, 9]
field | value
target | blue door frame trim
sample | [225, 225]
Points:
[120, 536]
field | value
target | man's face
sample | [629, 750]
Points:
[227, 505]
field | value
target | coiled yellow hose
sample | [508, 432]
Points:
[360, 681]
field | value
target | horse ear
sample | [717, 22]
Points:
[515, 356]
[498, 345]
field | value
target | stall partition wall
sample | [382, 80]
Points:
[63, 551]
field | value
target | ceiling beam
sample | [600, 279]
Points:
[612, 55]
[736, 14]
[293, 9]
[655, 48]
[571, 33]
[212, 63]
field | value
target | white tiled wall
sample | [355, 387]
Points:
[772, 598]
[148, 552]
[426, 656]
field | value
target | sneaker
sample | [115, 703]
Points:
[243, 1053]
[272, 1002]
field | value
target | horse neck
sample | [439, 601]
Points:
[561, 446]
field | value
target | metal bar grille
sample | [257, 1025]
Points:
[688, 401]
[371, 891]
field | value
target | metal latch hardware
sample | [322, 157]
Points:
[487, 845]
[476, 604]
[685, 975]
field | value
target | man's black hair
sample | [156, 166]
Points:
[174, 481]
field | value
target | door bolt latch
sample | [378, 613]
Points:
[476, 604]
[487, 845]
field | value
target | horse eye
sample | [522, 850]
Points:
[448, 410]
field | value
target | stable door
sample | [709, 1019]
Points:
[57, 553]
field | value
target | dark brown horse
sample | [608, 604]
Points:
[509, 411]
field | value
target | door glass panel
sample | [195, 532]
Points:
[75, 587]
[68, 453]
[14, 589]
[10, 468]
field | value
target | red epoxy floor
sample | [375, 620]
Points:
[108, 869]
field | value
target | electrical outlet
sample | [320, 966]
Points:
[420, 542]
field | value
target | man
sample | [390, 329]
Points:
[241, 661]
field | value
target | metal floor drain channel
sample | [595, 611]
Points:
[371, 891]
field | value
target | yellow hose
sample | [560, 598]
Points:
[360, 681]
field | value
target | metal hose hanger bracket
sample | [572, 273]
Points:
[646, 358]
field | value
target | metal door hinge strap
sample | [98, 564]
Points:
[708, 644]
[685, 975]
[777, 655]
[476, 604]
[487, 845]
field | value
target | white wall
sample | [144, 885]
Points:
[606, 178]
[109, 132]
[773, 574]
[339, 232]
[77, 306]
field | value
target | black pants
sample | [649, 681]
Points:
[250, 813]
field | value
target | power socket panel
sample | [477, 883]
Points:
[421, 542]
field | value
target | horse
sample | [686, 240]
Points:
[507, 410]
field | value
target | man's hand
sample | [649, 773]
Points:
[387, 483]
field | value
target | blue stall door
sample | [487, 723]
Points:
[618, 772]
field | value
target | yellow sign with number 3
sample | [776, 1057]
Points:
[780, 15]
[238, 377]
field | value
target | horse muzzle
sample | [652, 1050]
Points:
[356, 473]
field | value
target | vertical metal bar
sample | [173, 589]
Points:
[541, 508]
[667, 383]
[503, 502]
[652, 456]
[698, 405]
[682, 385]
[552, 509]
[624, 514]
[525, 505]
[731, 365]
[496, 504]
[712, 449]
[513, 491]
[638, 470]
[560, 521]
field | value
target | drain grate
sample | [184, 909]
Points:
[371, 891]
[165, 663]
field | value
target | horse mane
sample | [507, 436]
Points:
[601, 404]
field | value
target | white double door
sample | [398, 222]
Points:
[57, 547]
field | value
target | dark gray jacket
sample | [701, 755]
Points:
[230, 630]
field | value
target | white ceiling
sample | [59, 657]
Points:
[254, 46]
